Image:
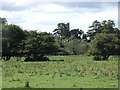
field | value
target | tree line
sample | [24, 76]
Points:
[101, 41]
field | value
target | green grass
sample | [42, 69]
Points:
[73, 72]
[0, 74]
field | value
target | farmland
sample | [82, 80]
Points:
[75, 71]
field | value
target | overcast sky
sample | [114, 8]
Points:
[44, 16]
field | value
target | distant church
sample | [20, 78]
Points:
[67, 26]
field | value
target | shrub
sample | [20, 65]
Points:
[104, 45]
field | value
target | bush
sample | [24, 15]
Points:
[75, 46]
[82, 48]
[104, 45]
[36, 59]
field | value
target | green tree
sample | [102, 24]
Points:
[12, 36]
[104, 45]
[82, 47]
[94, 28]
[3, 20]
[37, 45]
[62, 30]
[106, 26]
[76, 33]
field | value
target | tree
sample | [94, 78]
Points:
[76, 33]
[62, 30]
[32, 45]
[82, 47]
[106, 26]
[12, 37]
[50, 46]
[95, 28]
[37, 45]
[104, 45]
[3, 20]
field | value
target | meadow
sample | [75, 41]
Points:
[0, 74]
[77, 71]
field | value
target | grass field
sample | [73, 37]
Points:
[73, 72]
[0, 75]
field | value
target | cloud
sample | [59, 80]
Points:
[44, 16]
[85, 4]
[18, 5]
[80, 4]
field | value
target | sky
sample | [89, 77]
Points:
[45, 15]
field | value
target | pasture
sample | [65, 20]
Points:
[0, 74]
[61, 72]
